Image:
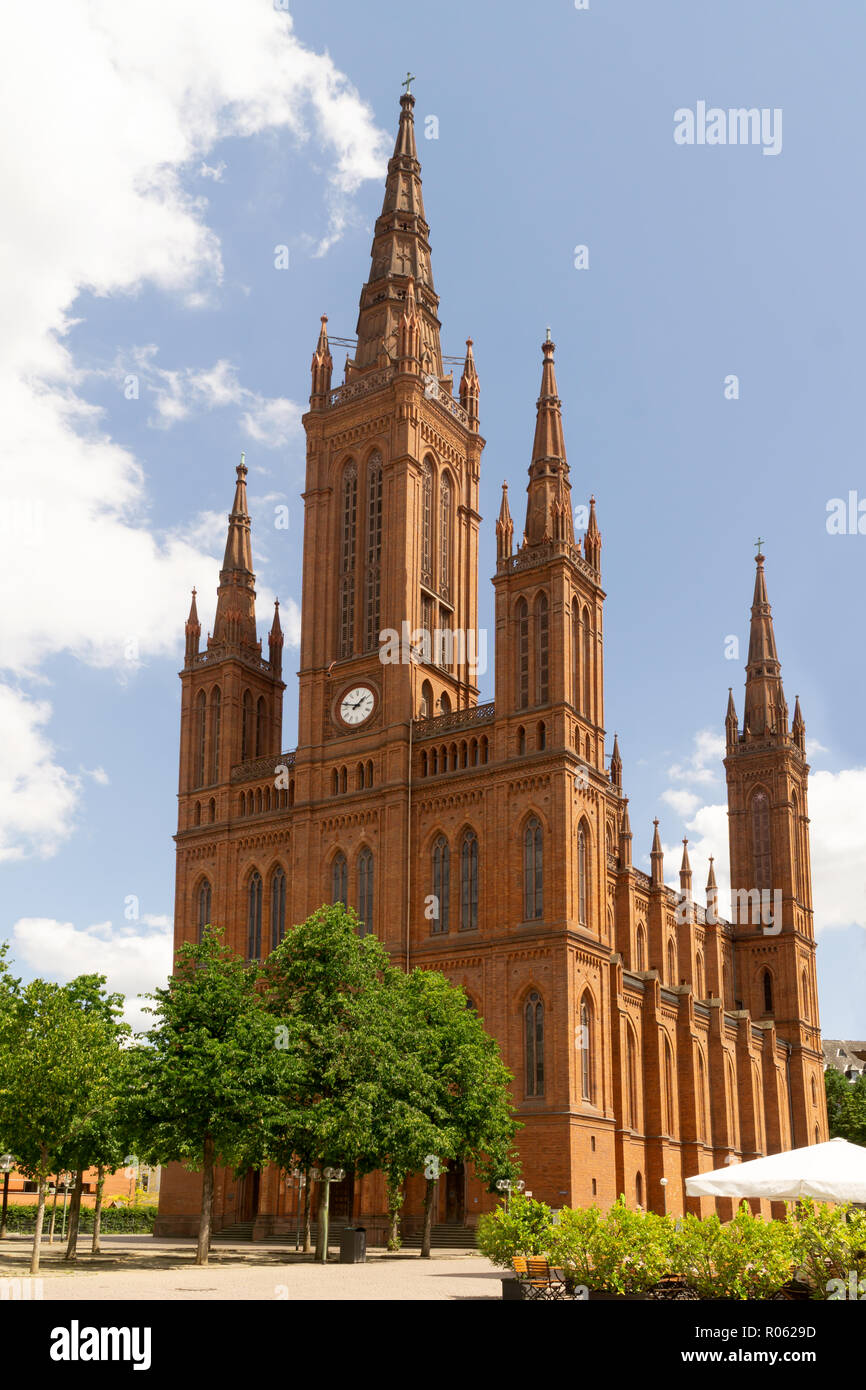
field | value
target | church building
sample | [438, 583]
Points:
[648, 1037]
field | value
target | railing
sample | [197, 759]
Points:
[261, 767]
[362, 387]
[457, 719]
[531, 557]
[214, 654]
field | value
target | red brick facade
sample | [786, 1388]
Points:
[648, 1039]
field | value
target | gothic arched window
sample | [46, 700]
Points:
[631, 1117]
[533, 1025]
[672, 963]
[441, 884]
[215, 720]
[575, 654]
[374, 550]
[203, 914]
[278, 908]
[469, 882]
[703, 1133]
[365, 891]
[522, 613]
[200, 738]
[445, 538]
[426, 700]
[533, 870]
[587, 661]
[254, 917]
[699, 976]
[348, 539]
[587, 1042]
[761, 840]
[582, 877]
[542, 650]
[247, 732]
[340, 881]
[261, 717]
[427, 523]
[641, 948]
[767, 981]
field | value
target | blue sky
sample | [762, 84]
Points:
[142, 226]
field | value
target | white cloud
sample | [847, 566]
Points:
[134, 960]
[38, 798]
[705, 761]
[108, 110]
[837, 810]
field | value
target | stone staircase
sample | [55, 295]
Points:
[448, 1235]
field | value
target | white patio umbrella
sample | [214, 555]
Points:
[831, 1172]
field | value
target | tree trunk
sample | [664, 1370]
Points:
[308, 1234]
[95, 1248]
[206, 1202]
[40, 1217]
[53, 1213]
[396, 1197]
[427, 1233]
[322, 1226]
[74, 1216]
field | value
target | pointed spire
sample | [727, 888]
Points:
[731, 722]
[192, 630]
[765, 713]
[711, 876]
[616, 765]
[592, 540]
[657, 859]
[712, 895]
[549, 488]
[401, 249]
[275, 642]
[798, 728]
[470, 388]
[625, 837]
[409, 335]
[686, 872]
[321, 367]
[235, 620]
[504, 528]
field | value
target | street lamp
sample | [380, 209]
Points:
[507, 1186]
[663, 1183]
[7, 1163]
[329, 1175]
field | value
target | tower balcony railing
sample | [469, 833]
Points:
[456, 719]
[254, 768]
[373, 381]
[531, 557]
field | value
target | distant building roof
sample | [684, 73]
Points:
[845, 1055]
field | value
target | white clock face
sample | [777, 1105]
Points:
[357, 705]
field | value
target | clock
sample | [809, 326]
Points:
[357, 704]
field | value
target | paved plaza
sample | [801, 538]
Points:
[140, 1267]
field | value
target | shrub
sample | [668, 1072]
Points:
[746, 1258]
[132, 1220]
[524, 1229]
[625, 1252]
[830, 1244]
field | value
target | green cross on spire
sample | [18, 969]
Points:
[410, 78]
[759, 542]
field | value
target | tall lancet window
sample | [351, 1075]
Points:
[542, 650]
[522, 653]
[445, 538]
[441, 884]
[582, 870]
[348, 538]
[575, 654]
[215, 720]
[204, 899]
[427, 523]
[247, 726]
[587, 659]
[533, 870]
[533, 1039]
[200, 738]
[374, 551]
[254, 919]
[278, 907]
[469, 882]
[761, 840]
[340, 881]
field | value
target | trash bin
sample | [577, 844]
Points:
[353, 1245]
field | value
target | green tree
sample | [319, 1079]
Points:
[846, 1106]
[209, 1083]
[56, 1068]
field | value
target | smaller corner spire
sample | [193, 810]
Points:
[192, 631]
[798, 728]
[616, 765]
[625, 837]
[712, 895]
[469, 386]
[321, 367]
[657, 858]
[592, 539]
[504, 528]
[275, 641]
[731, 722]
